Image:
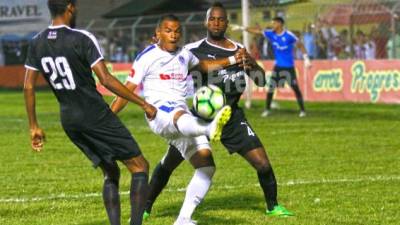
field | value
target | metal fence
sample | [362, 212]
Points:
[122, 39]
[363, 29]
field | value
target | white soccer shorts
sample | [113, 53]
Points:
[164, 126]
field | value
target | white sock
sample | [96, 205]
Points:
[190, 126]
[196, 190]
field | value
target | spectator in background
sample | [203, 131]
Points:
[321, 46]
[2, 58]
[393, 47]
[298, 54]
[103, 42]
[254, 50]
[359, 46]
[309, 41]
[344, 45]
[120, 56]
[380, 35]
[370, 48]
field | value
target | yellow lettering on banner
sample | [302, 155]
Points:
[373, 82]
[328, 81]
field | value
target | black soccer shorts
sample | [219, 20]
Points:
[282, 75]
[107, 141]
[238, 136]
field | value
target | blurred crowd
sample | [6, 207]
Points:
[120, 48]
[320, 40]
[326, 42]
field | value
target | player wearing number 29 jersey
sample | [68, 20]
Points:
[65, 56]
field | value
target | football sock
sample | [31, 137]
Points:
[138, 196]
[196, 190]
[111, 201]
[299, 96]
[159, 180]
[190, 126]
[268, 184]
[270, 95]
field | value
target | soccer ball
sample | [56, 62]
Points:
[208, 100]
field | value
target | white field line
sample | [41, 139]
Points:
[224, 187]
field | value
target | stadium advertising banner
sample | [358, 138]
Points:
[23, 16]
[376, 81]
[343, 80]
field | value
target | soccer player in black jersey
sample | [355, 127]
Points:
[237, 135]
[66, 58]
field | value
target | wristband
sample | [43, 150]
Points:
[232, 60]
[305, 57]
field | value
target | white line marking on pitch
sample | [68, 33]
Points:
[224, 187]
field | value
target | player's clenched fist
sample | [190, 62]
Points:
[37, 139]
[150, 111]
[243, 58]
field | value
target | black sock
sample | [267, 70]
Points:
[138, 195]
[111, 201]
[268, 184]
[299, 96]
[159, 180]
[270, 95]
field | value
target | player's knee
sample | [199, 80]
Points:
[178, 115]
[263, 167]
[137, 164]
[202, 158]
[144, 166]
[172, 159]
[207, 171]
[111, 174]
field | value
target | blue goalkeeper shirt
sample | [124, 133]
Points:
[283, 46]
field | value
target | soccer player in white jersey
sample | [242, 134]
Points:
[163, 68]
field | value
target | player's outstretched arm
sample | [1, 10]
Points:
[208, 65]
[119, 103]
[112, 84]
[37, 134]
[252, 30]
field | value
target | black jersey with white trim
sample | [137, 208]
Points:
[65, 56]
[230, 79]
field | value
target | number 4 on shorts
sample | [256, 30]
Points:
[249, 130]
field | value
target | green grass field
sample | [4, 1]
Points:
[340, 165]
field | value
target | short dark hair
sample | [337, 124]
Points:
[216, 5]
[58, 7]
[169, 17]
[279, 19]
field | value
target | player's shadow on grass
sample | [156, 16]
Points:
[231, 202]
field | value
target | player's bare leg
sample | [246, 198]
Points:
[198, 187]
[259, 160]
[161, 175]
[138, 167]
[111, 198]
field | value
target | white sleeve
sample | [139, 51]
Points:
[138, 72]
[193, 60]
